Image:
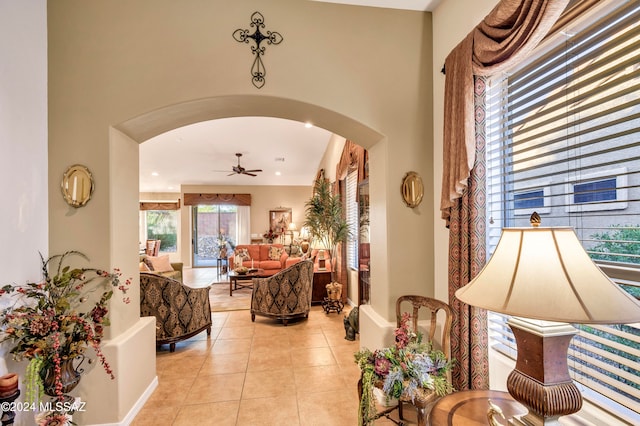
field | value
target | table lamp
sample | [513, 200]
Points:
[304, 236]
[546, 276]
[291, 230]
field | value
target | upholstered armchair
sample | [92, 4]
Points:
[181, 311]
[284, 295]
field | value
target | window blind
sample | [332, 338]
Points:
[352, 219]
[563, 139]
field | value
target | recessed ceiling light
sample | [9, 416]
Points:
[155, 174]
[278, 173]
[308, 125]
[171, 187]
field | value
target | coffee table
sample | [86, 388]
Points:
[234, 277]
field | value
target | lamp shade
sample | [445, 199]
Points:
[544, 273]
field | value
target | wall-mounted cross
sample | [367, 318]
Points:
[258, 71]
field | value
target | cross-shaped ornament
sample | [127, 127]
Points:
[258, 71]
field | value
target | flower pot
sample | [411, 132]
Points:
[69, 377]
[8, 385]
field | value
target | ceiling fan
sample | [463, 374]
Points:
[239, 170]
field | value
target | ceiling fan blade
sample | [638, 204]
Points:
[247, 173]
[231, 174]
[254, 171]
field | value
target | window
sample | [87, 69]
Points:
[529, 200]
[532, 197]
[570, 116]
[352, 219]
[592, 192]
[161, 225]
[605, 190]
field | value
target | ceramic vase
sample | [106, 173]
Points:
[69, 377]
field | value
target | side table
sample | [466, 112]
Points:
[469, 408]
[222, 262]
[319, 290]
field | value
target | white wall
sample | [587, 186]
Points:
[23, 138]
[23, 149]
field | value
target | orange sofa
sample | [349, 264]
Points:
[259, 257]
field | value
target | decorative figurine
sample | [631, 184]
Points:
[351, 325]
[493, 410]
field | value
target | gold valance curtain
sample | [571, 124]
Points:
[160, 205]
[210, 199]
[503, 38]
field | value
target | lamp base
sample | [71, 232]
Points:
[541, 380]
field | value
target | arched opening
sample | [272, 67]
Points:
[130, 133]
[158, 121]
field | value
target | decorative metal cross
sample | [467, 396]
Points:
[258, 71]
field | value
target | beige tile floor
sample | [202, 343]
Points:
[257, 373]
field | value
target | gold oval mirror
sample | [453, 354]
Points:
[77, 185]
[412, 189]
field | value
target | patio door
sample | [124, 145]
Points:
[214, 227]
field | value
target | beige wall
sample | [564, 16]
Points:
[109, 68]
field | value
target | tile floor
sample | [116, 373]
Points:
[257, 373]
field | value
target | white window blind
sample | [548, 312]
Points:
[352, 219]
[563, 139]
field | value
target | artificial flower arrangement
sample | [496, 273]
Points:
[406, 370]
[46, 323]
[270, 235]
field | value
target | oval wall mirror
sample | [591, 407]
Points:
[412, 189]
[77, 185]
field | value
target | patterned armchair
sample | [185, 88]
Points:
[181, 311]
[284, 295]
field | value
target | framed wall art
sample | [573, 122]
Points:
[279, 219]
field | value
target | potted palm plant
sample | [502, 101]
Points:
[325, 221]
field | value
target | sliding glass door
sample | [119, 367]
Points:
[215, 228]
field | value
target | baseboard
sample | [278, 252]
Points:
[128, 419]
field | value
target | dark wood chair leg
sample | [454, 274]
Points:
[172, 347]
[422, 416]
[209, 331]
[253, 317]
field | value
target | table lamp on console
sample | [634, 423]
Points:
[545, 280]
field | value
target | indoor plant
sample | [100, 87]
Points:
[54, 321]
[407, 369]
[324, 219]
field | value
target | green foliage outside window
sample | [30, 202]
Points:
[621, 240]
[620, 244]
[162, 225]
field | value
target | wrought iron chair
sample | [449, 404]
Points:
[440, 338]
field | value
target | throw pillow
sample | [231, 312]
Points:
[161, 263]
[144, 267]
[243, 253]
[275, 253]
[147, 262]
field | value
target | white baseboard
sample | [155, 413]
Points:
[128, 419]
